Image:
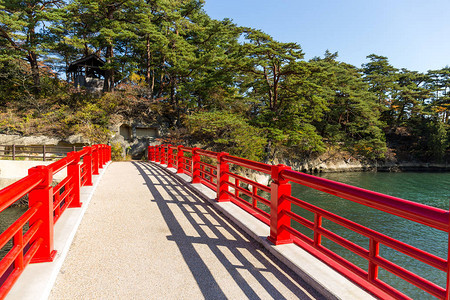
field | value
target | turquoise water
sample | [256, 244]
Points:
[428, 188]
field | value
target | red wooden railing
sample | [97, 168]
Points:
[233, 187]
[46, 204]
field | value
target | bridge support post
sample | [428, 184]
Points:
[153, 153]
[73, 171]
[101, 155]
[278, 219]
[163, 154]
[105, 155]
[169, 156]
[447, 292]
[180, 155]
[157, 153]
[43, 218]
[149, 153]
[195, 166]
[95, 159]
[222, 178]
[87, 159]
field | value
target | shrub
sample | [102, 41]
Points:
[228, 132]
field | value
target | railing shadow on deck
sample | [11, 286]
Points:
[236, 252]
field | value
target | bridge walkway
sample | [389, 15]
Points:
[146, 236]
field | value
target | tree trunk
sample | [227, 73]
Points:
[32, 59]
[150, 77]
[109, 74]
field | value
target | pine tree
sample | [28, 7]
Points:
[352, 119]
[22, 31]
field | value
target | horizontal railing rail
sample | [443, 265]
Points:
[37, 152]
[274, 205]
[31, 234]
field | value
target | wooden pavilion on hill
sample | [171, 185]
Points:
[87, 72]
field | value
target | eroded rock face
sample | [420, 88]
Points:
[77, 139]
[136, 147]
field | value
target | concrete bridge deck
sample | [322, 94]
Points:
[146, 236]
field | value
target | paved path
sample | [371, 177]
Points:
[146, 236]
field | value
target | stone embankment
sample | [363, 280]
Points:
[133, 147]
[9, 139]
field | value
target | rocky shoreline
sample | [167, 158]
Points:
[356, 166]
[315, 167]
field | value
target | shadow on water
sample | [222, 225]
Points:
[220, 238]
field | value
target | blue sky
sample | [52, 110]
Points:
[412, 34]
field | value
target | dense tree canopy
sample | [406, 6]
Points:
[233, 88]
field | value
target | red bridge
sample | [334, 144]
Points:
[149, 232]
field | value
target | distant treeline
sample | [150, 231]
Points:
[228, 87]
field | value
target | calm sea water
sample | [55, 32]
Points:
[428, 188]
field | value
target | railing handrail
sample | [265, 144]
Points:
[18, 189]
[207, 153]
[417, 212]
[58, 165]
[250, 164]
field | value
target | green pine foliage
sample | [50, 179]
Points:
[226, 132]
[227, 87]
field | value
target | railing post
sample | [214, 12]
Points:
[278, 219]
[195, 166]
[157, 153]
[222, 178]
[317, 226]
[73, 171]
[153, 153]
[14, 152]
[43, 194]
[101, 154]
[87, 160]
[180, 157]
[43, 152]
[149, 154]
[163, 154]
[374, 251]
[106, 154]
[95, 159]
[447, 292]
[169, 156]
